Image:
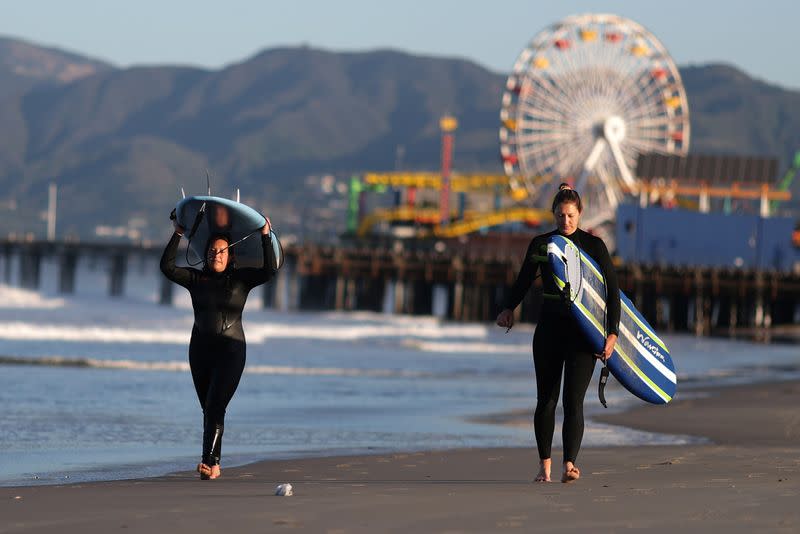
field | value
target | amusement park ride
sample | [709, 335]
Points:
[584, 101]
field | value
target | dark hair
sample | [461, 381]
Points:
[227, 239]
[567, 194]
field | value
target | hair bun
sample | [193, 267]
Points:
[563, 186]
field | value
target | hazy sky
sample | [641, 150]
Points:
[760, 37]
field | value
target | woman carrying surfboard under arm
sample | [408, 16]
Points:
[558, 343]
[217, 347]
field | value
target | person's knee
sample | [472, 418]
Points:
[214, 416]
[546, 406]
[573, 408]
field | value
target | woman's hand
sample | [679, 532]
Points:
[506, 318]
[608, 349]
[267, 227]
[174, 218]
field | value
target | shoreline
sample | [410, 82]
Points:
[746, 479]
[166, 467]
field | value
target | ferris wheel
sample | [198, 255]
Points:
[584, 99]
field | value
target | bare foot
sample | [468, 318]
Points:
[208, 472]
[204, 470]
[571, 473]
[216, 472]
[544, 471]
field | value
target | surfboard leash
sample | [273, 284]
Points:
[173, 216]
[601, 386]
[195, 225]
[242, 239]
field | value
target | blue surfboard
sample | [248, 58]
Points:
[641, 361]
[205, 216]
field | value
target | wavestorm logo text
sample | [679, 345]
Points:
[649, 345]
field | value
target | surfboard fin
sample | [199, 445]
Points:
[601, 387]
[208, 182]
[237, 195]
[183, 193]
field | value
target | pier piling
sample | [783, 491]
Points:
[462, 282]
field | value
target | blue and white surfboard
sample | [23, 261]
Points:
[641, 361]
[205, 216]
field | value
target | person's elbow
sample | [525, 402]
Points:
[167, 267]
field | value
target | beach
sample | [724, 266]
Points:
[381, 423]
[744, 478]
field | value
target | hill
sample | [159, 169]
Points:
[24, 65]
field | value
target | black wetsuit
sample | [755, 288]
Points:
[217, 347]
[558, 343]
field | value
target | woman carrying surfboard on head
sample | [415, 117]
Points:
[217, 348]
[559, 347]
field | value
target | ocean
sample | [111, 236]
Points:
[98, 388]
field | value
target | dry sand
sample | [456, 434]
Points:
[746, 480]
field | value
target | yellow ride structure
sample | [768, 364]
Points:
[428, 220]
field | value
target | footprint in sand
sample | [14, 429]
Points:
[287, 522]
[508, 524]
[514, 521]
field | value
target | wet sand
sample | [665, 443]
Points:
[747, 479]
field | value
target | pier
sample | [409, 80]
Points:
[461, 280]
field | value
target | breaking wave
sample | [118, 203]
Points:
[182, 366]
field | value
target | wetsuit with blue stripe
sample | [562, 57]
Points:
[217, 349]
[558, 344]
